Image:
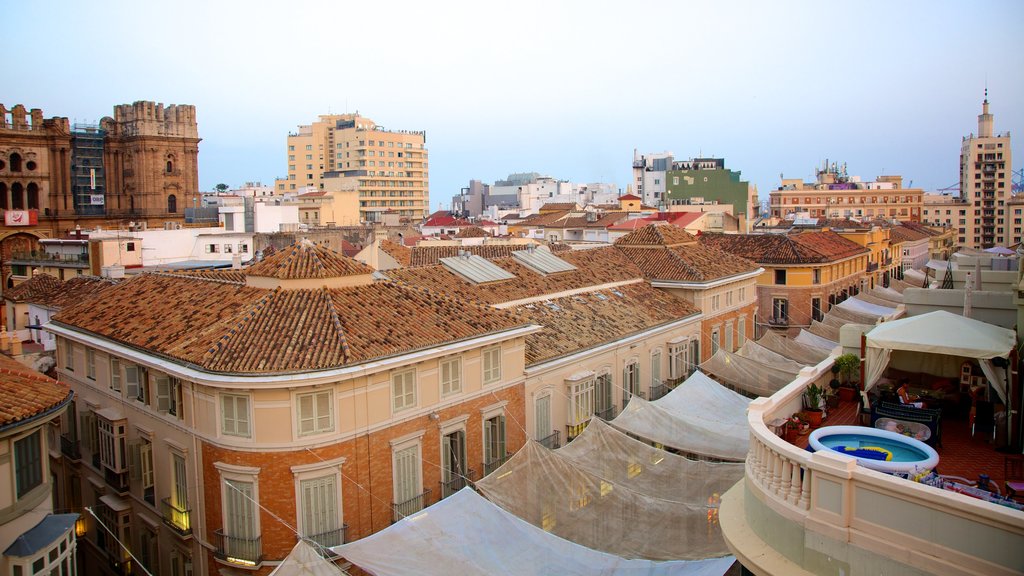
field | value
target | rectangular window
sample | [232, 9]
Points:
[542, 419]
[113, 444]
[630, 381]
[240, 520]
[728, 298]
[28, 463]
[780, 277]
[678, 361]
[179, 491]
[494, 439]
[656, 368]
[451, 376]
[743, 295]
[90, 363]
[582, 407]
[69, 356]
[492, 364]
[408, 484]
[146, 469]
[603, 396]
[715, 341]
[235, 414]
[168, 395]
[321, 515]
[780, 310]
[728, 338]
[403, 390]
[741, 330]
[816, 309]
[715, 302]
[816, 276]
[315, 415]
[115, 375]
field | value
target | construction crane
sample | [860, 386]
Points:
[955, 187]
[1017, 181]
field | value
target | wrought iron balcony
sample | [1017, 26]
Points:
[411, 506]
[872, 266]
[606, 414]
[551, 441]
[574, 430]
[658, 389]
[887, 262]
[458, 482]
[495, 464]
[778, 321]
[70, 447]
[177, 519]
[238, 550]
[325, 540]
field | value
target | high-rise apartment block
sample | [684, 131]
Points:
[836, 194]
[985, 171]
[385, 169]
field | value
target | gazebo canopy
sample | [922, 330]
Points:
[941, 332]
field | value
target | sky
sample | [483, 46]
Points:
[567, 89]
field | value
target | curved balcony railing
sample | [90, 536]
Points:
[827, 497]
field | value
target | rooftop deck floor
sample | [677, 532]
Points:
[960, 454]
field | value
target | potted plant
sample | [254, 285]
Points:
[803, 426]
[792, 428]
[813, 395]
[847, 365]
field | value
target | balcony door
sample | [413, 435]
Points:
[454, 471]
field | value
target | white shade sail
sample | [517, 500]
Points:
[813, 340]
[747, 375]
[790, 348]
[756, 352]
[466, 534]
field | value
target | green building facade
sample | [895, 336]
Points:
[722, 185]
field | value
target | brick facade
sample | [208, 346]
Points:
[367, 481]
[721, 321]
[800, 302]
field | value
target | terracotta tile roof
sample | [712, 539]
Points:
[430, 255]
[689, 263]
[629, 197]
[400, 253]
[219, 275]
[444, 219]
[657, 235]
[593, 267]
[898, 234]
[74, 290]
[32, 289]
[575, 323]
[307, 260]
[543, 219]
[810, 247]
[560, 206]
[234, 328]
[25, 393]
[918, 227]
[473, 232]
[573, 219]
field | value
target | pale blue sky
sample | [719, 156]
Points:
[564, 88]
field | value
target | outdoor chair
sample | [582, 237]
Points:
[984, 419]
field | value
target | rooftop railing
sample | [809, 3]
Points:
[244, 551]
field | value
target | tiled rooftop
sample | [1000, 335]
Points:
[899, 234]
[305, 259]
[234, 328]
[473, 232]
[32, 289]
[593, 267]
[810, 247]
[586, 320]
[25, 393]
[430, 255]
[74, 290]
[400, 253]
[657, 235]
[559, 206]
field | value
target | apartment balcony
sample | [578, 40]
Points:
[574, 430]
[872, 266]
[118, 481]
[495, 464]
[411, 506]
[552, 441]
[658, 389]
[70, 448]
[779, 321]
[45, 259]
[177, 519]
[606, 414]
[458, 482]
[797, 512]
[326, 540]
[887, 262]
[236, 550]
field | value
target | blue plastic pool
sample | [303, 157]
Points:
[908, 454]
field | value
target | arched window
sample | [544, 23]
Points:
[170, 166]
[33, 196]
[3, 196]
[172, 203]
[17, 197]
[15, 160]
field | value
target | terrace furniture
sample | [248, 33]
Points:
[1013, 472]
[915, 430]
[984, 419]
[932, 418]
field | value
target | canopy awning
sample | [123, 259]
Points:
[858, 305]
[466, 533]
[747, 375]
[802, 353]
[815, 341]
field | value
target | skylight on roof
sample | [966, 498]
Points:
[553, 306]
[617, 293]
[600, 296]
[542, 261]
[476, 269]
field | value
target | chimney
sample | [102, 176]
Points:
[236, 261]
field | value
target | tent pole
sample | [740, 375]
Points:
[863, 358]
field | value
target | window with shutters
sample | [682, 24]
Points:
[240, 541]
[113, 444]
[407, 478]
[728, 337]
[492, 364]
[603, 404]
[28, 463]
[135, 383]
[147, 553]
[741, 330]
[234, 411]
[315, 412]
[141, 467]
[321, 514]
[716, 341]
[656, 368]
[451, 376]
[180, 517]
[168, 395]
[454, 471]
[542, 417]
[678, 360]
[181, 563]
[90, 363]
[115, 374]
[403, 390]
[69, 355]
[494, 443]
[630, 381]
